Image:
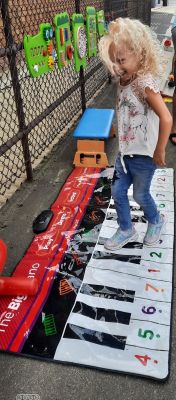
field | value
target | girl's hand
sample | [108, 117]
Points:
[171, 77]
[159, 157]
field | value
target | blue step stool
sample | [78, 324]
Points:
[94, 127]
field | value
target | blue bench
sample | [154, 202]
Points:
[94, 127]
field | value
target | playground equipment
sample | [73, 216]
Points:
[75, 38]
[11, 286]
[39, 51]
[64, 47]
[91, 31]
[79, 41]
[95, 126]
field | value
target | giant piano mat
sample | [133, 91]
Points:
[109, 310]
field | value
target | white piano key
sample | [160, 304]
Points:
[160, 256]
[148, 334]
[140, 309]
[145, 269]
[145, 362]
[143, 288]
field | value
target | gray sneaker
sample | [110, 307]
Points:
[120, 238]
[154, 231]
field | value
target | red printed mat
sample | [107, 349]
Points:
[96, 308]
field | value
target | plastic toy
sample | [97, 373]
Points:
[79, 41]
[167, 42]
[63, 39]
[42, 221]
[91, 31]
[91, 132]
[39, 51]
[3, 254]
[100, 23]
[11, 286]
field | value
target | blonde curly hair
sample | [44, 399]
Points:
[138, 39]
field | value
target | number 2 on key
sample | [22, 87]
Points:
[156, 254]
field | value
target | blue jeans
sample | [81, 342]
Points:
[173, 31]
[140, 170]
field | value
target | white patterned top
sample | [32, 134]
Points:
[138, 124]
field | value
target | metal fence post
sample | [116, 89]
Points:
[11, 55]
[149, 12]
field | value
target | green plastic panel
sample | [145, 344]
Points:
[101, 23]
[39, 51]
[91, 29]
[79, 41]
[49, 324]
[64, 46]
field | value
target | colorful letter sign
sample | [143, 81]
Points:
[39, 51]
[101, 23]
[79, 41]
[71, 42]
[91, 31]
[63, 39]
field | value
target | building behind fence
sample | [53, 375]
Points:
[37, 112]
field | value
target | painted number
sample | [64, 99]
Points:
[149, 310]
[153, 270]
[156, 254]
[143, 359]
[148, 286]
[146, 334]
[162, 205]
[161, 179]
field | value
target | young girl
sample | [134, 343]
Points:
[131, 52]
[173, 77]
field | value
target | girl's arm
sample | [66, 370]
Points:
[157, 104]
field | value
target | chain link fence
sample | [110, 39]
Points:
[37, 112]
